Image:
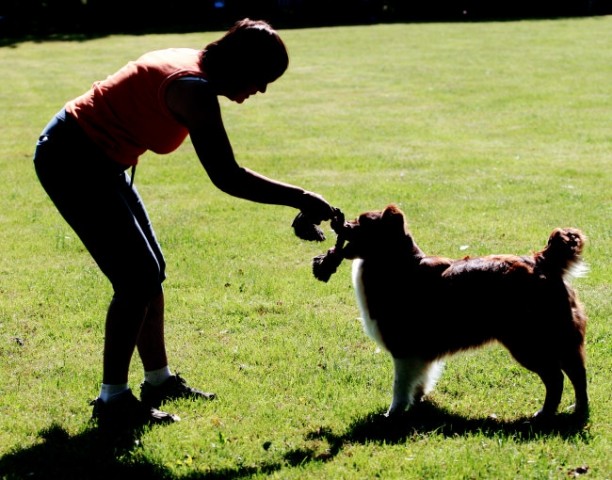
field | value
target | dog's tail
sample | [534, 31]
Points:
[563, 254]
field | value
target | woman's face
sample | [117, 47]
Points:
[242, 94]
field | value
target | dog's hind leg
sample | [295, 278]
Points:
[552, 376]
[549, 372]
[409, 376]
[574, 368]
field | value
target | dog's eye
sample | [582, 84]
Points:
[366, 221]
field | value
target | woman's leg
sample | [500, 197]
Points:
[151, 343]
[150, 340]
[94, 197]
[124, 321]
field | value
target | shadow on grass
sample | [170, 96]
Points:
[90, 455]
[429, 419]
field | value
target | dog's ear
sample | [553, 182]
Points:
[394, 217]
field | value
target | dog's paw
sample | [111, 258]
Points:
[543, 417]
[397, 411]
[394, 415]
[580, 413]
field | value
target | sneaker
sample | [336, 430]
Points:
[173, 388]
[126, 411]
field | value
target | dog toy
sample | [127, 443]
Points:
[306, 229]
[326, 264]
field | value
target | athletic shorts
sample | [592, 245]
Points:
[94, 195]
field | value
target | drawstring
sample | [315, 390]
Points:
[132, 175]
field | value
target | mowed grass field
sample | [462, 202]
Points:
[487, 135]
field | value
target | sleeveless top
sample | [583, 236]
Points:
[126, 114]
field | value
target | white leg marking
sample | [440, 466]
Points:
[431, 376]
[409, 374]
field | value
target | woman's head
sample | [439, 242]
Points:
[250, 55]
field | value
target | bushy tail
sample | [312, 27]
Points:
[563, 254]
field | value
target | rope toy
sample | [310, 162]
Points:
[306, 229]
[326, 264]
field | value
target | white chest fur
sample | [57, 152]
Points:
[413, 376]
[370, 326]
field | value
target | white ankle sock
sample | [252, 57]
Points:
[108, 392]
[157, 377]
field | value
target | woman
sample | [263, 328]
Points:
[81, 160]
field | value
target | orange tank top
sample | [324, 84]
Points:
[126, 114]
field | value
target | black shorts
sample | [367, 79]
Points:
[94, 195]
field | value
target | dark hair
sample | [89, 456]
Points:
[250, 53]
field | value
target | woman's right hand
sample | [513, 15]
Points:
[315, 208]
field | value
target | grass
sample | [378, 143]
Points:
[488, 135]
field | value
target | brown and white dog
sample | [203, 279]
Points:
[422, 308]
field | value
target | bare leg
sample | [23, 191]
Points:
[123, 323]
[151, 343]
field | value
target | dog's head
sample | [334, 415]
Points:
[374, 234]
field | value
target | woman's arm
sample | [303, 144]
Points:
[196, 106]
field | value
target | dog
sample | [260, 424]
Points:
[422, 308]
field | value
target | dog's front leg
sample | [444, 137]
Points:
[408, 375]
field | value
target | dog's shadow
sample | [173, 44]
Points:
[90, 455]
[429, 419]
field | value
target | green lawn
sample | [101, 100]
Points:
[488, 136]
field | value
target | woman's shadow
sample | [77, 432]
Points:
[92, 455]
[87, 455]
